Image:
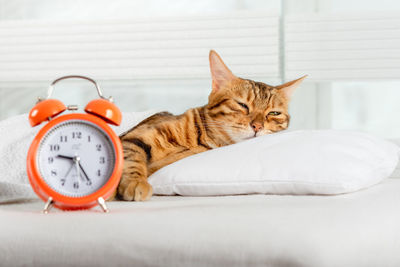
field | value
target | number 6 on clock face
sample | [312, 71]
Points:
[75, 158]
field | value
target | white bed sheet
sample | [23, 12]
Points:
[358, 229]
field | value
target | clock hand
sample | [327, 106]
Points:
[86, 176]
[65, 157]
[69, 170]
[76, 160]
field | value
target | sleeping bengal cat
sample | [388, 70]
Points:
[237, 109]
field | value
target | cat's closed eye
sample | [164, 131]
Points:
[274, 113]
[243, 105]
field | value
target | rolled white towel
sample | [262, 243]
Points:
[16, 136]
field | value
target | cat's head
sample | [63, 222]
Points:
[245, 108]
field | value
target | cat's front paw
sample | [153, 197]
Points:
[137, 190]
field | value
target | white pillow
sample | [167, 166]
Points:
[320, 162]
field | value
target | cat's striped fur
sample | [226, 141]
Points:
[238, 109]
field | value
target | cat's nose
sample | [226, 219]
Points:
[256, 126]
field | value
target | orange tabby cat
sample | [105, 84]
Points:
[237, 109]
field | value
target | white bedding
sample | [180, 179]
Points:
[16, 136]
[358, 229]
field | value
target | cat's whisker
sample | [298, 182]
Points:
[219, 123]
[228, 131]
[223, 125]
[232, 129]
[223, 128]
[226, 126]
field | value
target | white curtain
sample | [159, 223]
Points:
[365, 105]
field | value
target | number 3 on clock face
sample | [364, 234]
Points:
[76, 158]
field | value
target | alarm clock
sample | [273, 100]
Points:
[75, 161]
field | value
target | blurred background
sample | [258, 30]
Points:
[153, 54]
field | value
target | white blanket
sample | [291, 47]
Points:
[351, 230]
[16, 136]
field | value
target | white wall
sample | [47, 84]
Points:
[362, 101]
[317, 104]
[125, 9]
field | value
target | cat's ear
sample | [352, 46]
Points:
[219, 71]
[288, 88]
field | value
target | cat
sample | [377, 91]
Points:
[237, 109]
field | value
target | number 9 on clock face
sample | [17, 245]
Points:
[76, 158]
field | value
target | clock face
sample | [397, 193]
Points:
[76, 158]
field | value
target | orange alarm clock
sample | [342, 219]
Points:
[75, 161]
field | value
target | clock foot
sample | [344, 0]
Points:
[48, 205]
[102, 204]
